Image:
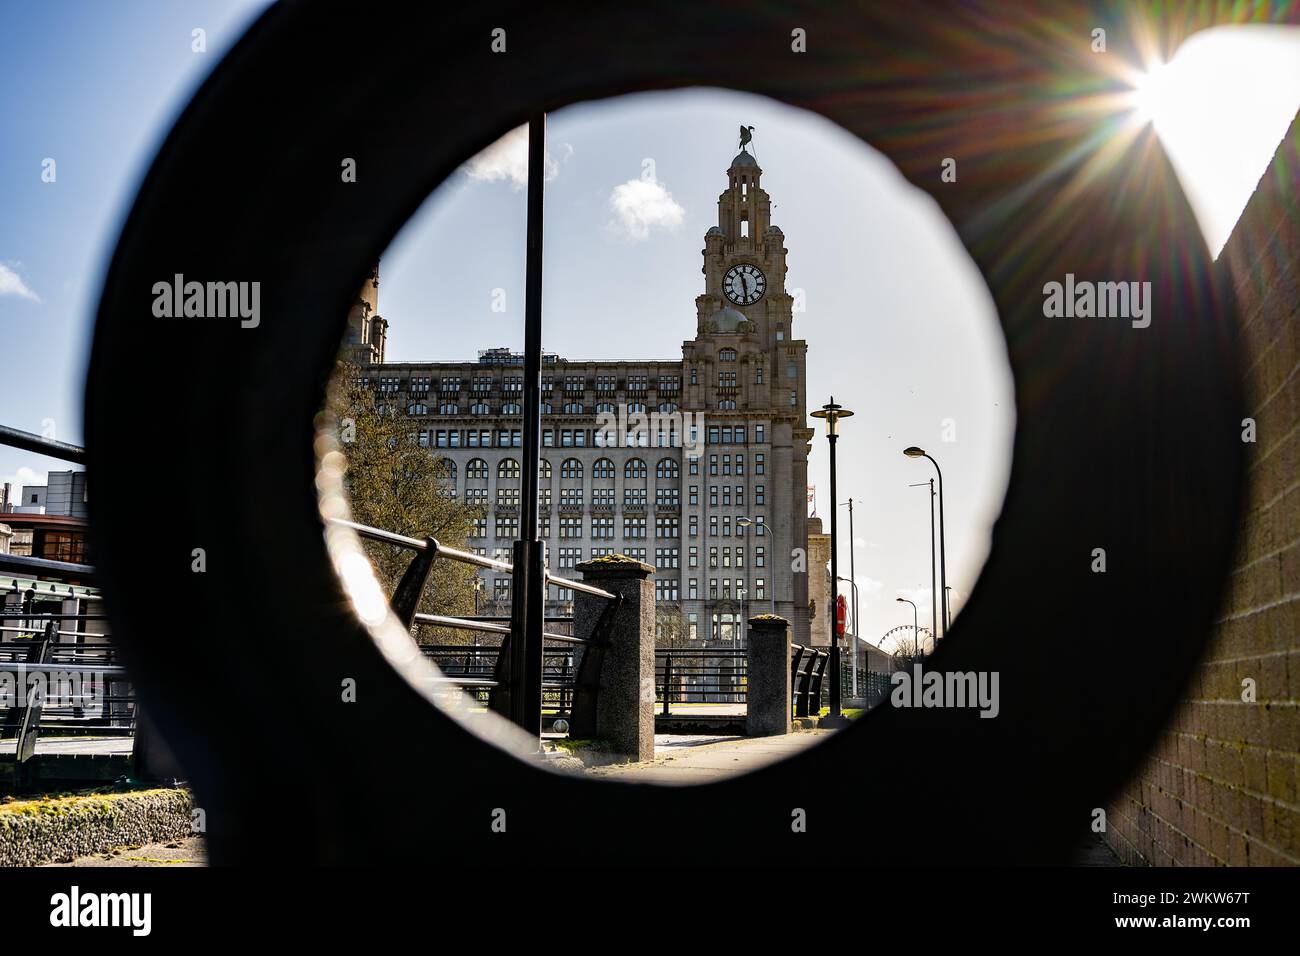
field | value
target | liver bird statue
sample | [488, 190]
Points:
[746, 134]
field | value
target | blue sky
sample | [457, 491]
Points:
[899, 324]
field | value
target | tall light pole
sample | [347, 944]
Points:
[915, 452]
[916, 635]
[832, 413]
[856, 633]
[934, 584]
[746, 521]
[853, 575]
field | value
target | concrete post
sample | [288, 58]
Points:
[625, 674]
[768, 663]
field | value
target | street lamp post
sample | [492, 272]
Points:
[934, 583]
[832, 413]
[740, 593]
[856, 633]
[916, 634]
[853, 575]
[745, 521]
[915, 452]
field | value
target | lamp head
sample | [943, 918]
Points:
[832, 413]
[914, 452]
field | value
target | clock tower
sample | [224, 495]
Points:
[744, 261]
[744, 372]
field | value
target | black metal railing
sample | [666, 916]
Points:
[60, 688]
[807, 669]
[560, 667]
[704, 675]
[873, 687]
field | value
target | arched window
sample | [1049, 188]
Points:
[603, 468]
[635, 468]
[546, 408]
[544, 471]
[605, 408]
[667, 468]
[727, 405]
[727, 355]
[668, 407]
[571, 468]
[478, 408]
[448, 408]
[508, 468]
[447, 471]
[476, 468]
[510, 408]
[636, 407]
[417, 408]
[573, 408]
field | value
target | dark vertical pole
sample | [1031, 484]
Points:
[533, 326]
[934, 584]
[835, 581]
[943, 552]
[853, 580]
[529, 583]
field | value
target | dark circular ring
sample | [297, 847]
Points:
[1126, 437]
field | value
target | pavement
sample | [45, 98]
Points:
[74, 745]
[189, 851]
[683, 760]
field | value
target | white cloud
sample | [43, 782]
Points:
[23, 476]
[640, 205]
[12, 284]
[507, 160]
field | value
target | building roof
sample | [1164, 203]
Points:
[21, 520]
[744, 159]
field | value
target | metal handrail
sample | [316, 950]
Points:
[28, 441]
[464, 557]
[464, 624]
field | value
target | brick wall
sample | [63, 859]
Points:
[1223, 784]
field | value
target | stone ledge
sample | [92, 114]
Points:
[60, 829]
[614, 564]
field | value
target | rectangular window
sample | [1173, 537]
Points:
[694, 556]
[602, 527]
[758, 495]
[667, 527]
[760, 464]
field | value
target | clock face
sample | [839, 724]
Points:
[744, 284]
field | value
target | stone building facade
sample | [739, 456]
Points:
[696, 465]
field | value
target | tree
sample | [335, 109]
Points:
[395, 483]
[670, 626]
